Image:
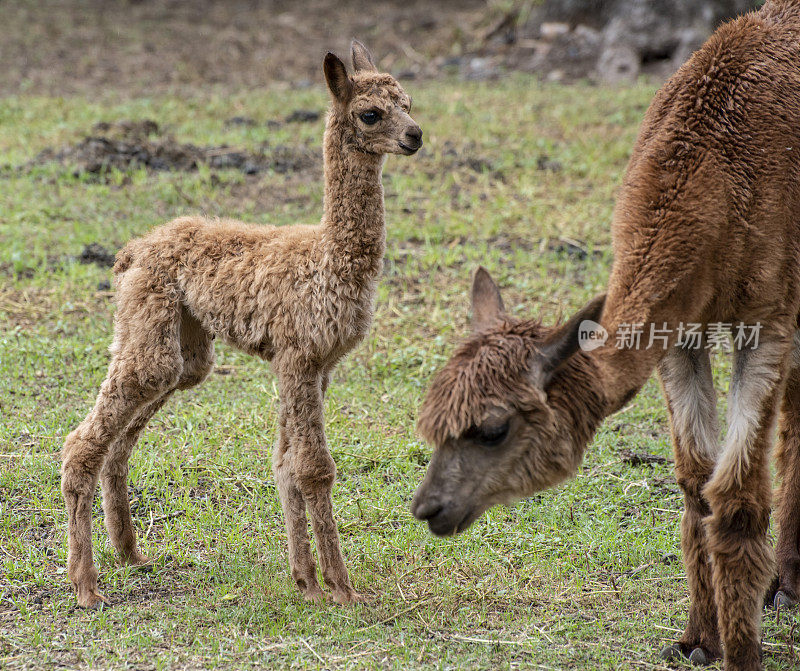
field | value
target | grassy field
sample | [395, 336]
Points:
[515, 175]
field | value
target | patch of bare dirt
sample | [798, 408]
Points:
[124, 145]
[641, 458]
[67, 47]
[146, 47]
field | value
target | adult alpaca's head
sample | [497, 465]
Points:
[508, 415]
[370, 109]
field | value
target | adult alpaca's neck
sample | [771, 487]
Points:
[354, 228]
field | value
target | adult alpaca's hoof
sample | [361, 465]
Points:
[783, 600]
[671, 653]
[698, 656]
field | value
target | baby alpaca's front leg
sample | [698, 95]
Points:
[301, 562]
[314, 471]
[334, 571]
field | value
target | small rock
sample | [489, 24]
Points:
[550, 30]
[619, 63]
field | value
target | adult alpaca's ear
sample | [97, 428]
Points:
[362, 59]
[339, 83]
[561, 345]
[487, 304]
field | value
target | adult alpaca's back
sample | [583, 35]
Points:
[299, 296]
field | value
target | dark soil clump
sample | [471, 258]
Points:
[303, 116]
[97, 254]
[126, 145]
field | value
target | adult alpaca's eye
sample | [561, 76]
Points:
[488, 435]
[370, 117]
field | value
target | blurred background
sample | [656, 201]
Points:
[61, 47]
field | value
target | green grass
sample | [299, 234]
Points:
[586, 576]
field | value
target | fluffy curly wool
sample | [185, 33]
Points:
[299, 296]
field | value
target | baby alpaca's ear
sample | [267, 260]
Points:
[339, 83]
[362, 59]
[487, 304]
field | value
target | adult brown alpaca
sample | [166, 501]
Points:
[706, 230]
[300, 296]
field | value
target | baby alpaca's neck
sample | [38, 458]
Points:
[353, 220]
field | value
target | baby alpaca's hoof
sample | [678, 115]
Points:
[92, 600]
[312, 593]
[346, 596]
[783, 600]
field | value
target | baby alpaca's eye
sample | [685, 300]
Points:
[370, 117]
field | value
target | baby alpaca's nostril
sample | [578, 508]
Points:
[415, 135]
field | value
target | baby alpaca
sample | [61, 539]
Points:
[298, 296]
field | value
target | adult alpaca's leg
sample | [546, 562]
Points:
[146, 365]
[739, 494]
[692, 404]
[787, 550]
[313, 467]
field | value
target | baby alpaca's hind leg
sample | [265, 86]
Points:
[114, 484]
[121, 395]
[146, 365]
[197, 352]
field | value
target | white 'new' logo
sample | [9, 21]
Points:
[591, 335]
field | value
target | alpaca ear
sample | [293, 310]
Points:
[487, 304]
[564, 342]
[362, 59]
[339, 83]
